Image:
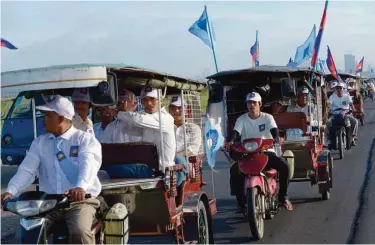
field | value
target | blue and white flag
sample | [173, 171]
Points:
[200, 28]
[213, 141]
[305, 51]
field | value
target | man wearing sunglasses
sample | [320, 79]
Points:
[341, 100]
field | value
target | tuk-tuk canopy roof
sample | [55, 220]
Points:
[274, 71]
[89, 75]
[343, 75]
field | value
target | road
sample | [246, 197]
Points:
[344, 218]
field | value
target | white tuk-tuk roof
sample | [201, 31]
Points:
[76, 76]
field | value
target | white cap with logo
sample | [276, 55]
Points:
[60, 105]
[253, 96]
[148, 91]
[303, 90]
[177, 101]
[81, 94]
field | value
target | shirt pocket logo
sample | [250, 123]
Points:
[344, 103]
[262, 127]
[74, 151]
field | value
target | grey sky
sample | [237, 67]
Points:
[155, 34]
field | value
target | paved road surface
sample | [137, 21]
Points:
[312, 221]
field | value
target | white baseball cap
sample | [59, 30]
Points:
[303, 90]
[148, 91]
[81, 94]
[60, 105]
[176, 101]
[253, 96]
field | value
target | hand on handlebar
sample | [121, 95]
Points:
[228, 145]
[5, 196]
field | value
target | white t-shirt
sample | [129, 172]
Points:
[337, 102]
[258, 128]
[117, 132]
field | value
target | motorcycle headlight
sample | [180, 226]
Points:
[31, 207]
[251, 146]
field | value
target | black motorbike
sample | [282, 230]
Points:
[341, 135]
[35, 228]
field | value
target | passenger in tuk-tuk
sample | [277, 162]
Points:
[122, 133]
[257, 124]
[149, 123]
[82, 104]
[341, 100]
[302, 105]
[66, 160]
[107, 114]
[193, 136]
[277, 106]
[356, 97]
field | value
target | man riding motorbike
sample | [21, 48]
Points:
[341, 100]
[257, 124]
[66, 160]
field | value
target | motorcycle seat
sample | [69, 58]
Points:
[271, 173]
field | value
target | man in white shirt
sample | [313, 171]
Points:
[107, 115]
[66, 160]
[341, 101]
[149, 122]
[193, 135]
[302, 105]
[257, 124]
[82, 104]
[117, 132]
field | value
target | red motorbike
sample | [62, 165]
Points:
[261, 187]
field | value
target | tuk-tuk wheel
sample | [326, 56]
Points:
[197, 227]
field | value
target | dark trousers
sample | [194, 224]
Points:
[237, 178]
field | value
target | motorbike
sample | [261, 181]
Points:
[260, 188]
[370, 94]
[341, 139]
[358, 114]
[35, 228]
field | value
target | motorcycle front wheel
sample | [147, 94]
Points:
[254, 212]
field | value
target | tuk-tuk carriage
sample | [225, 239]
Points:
[153, 209]
[302, 143]
[353, 84]
[311, 162]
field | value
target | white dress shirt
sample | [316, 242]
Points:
[117, 132]
[151, 132]
[98, 131]
[41, 160]
[193, 138]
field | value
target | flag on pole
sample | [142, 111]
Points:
[332, 67]
[319, 37]
[359, 66]
[371, 72]
[200, 29]
[305, 51]
[254, 51]
[7, 44]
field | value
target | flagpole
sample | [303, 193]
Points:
[212, 42]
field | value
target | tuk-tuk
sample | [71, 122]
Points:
[303, 141]
[157, 210]
[353, 83]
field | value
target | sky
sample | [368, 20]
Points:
[155, 35]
